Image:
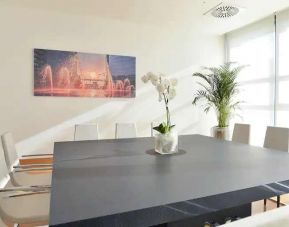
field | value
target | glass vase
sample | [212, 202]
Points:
[221, 133]
[166, 143]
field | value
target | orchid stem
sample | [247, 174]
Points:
[167, 111]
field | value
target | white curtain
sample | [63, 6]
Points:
[282, 68]
[254, 45]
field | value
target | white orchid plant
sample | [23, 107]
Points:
[166, 90]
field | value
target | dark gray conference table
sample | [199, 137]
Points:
[123, 183]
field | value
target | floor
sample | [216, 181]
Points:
[258, 207]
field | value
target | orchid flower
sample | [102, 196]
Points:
[166, 91]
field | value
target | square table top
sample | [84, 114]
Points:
[105, 178]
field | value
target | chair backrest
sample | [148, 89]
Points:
[9, 149]
[277, 138]
[86, 132]
[153, 132]
[241, 133]
[3, 170]
[125, 130]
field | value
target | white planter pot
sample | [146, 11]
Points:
[166, 143]
[221, 133]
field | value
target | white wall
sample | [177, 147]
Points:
[177, 48]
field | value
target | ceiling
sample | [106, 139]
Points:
[157, 12]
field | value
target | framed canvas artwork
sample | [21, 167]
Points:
[76, 74]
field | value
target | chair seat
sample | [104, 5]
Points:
[25, 209]
[32, 178]
[274, 218]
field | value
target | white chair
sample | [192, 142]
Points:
[278, 139]
[86, 132]
[24, 208]
[273, 218]
[26, 175]
[10, 152]
[31, 176]
[125, 130]
[241, 133]
[23, 205]
[153, 132]
[34, 174]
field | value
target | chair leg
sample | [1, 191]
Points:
[278, 200]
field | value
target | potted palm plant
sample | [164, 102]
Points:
[220, 93]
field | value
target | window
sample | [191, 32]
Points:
[264, 46]
[254, 46]
[282, 54]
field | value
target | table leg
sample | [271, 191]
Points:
[278, 201]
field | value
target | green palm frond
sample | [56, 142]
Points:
[204, 77]
[220, 90]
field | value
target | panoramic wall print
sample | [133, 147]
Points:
[75, 74]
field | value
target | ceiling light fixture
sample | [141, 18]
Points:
[224, 10]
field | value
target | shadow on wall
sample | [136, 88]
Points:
[143, 110]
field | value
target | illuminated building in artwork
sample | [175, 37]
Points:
[100, 80]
